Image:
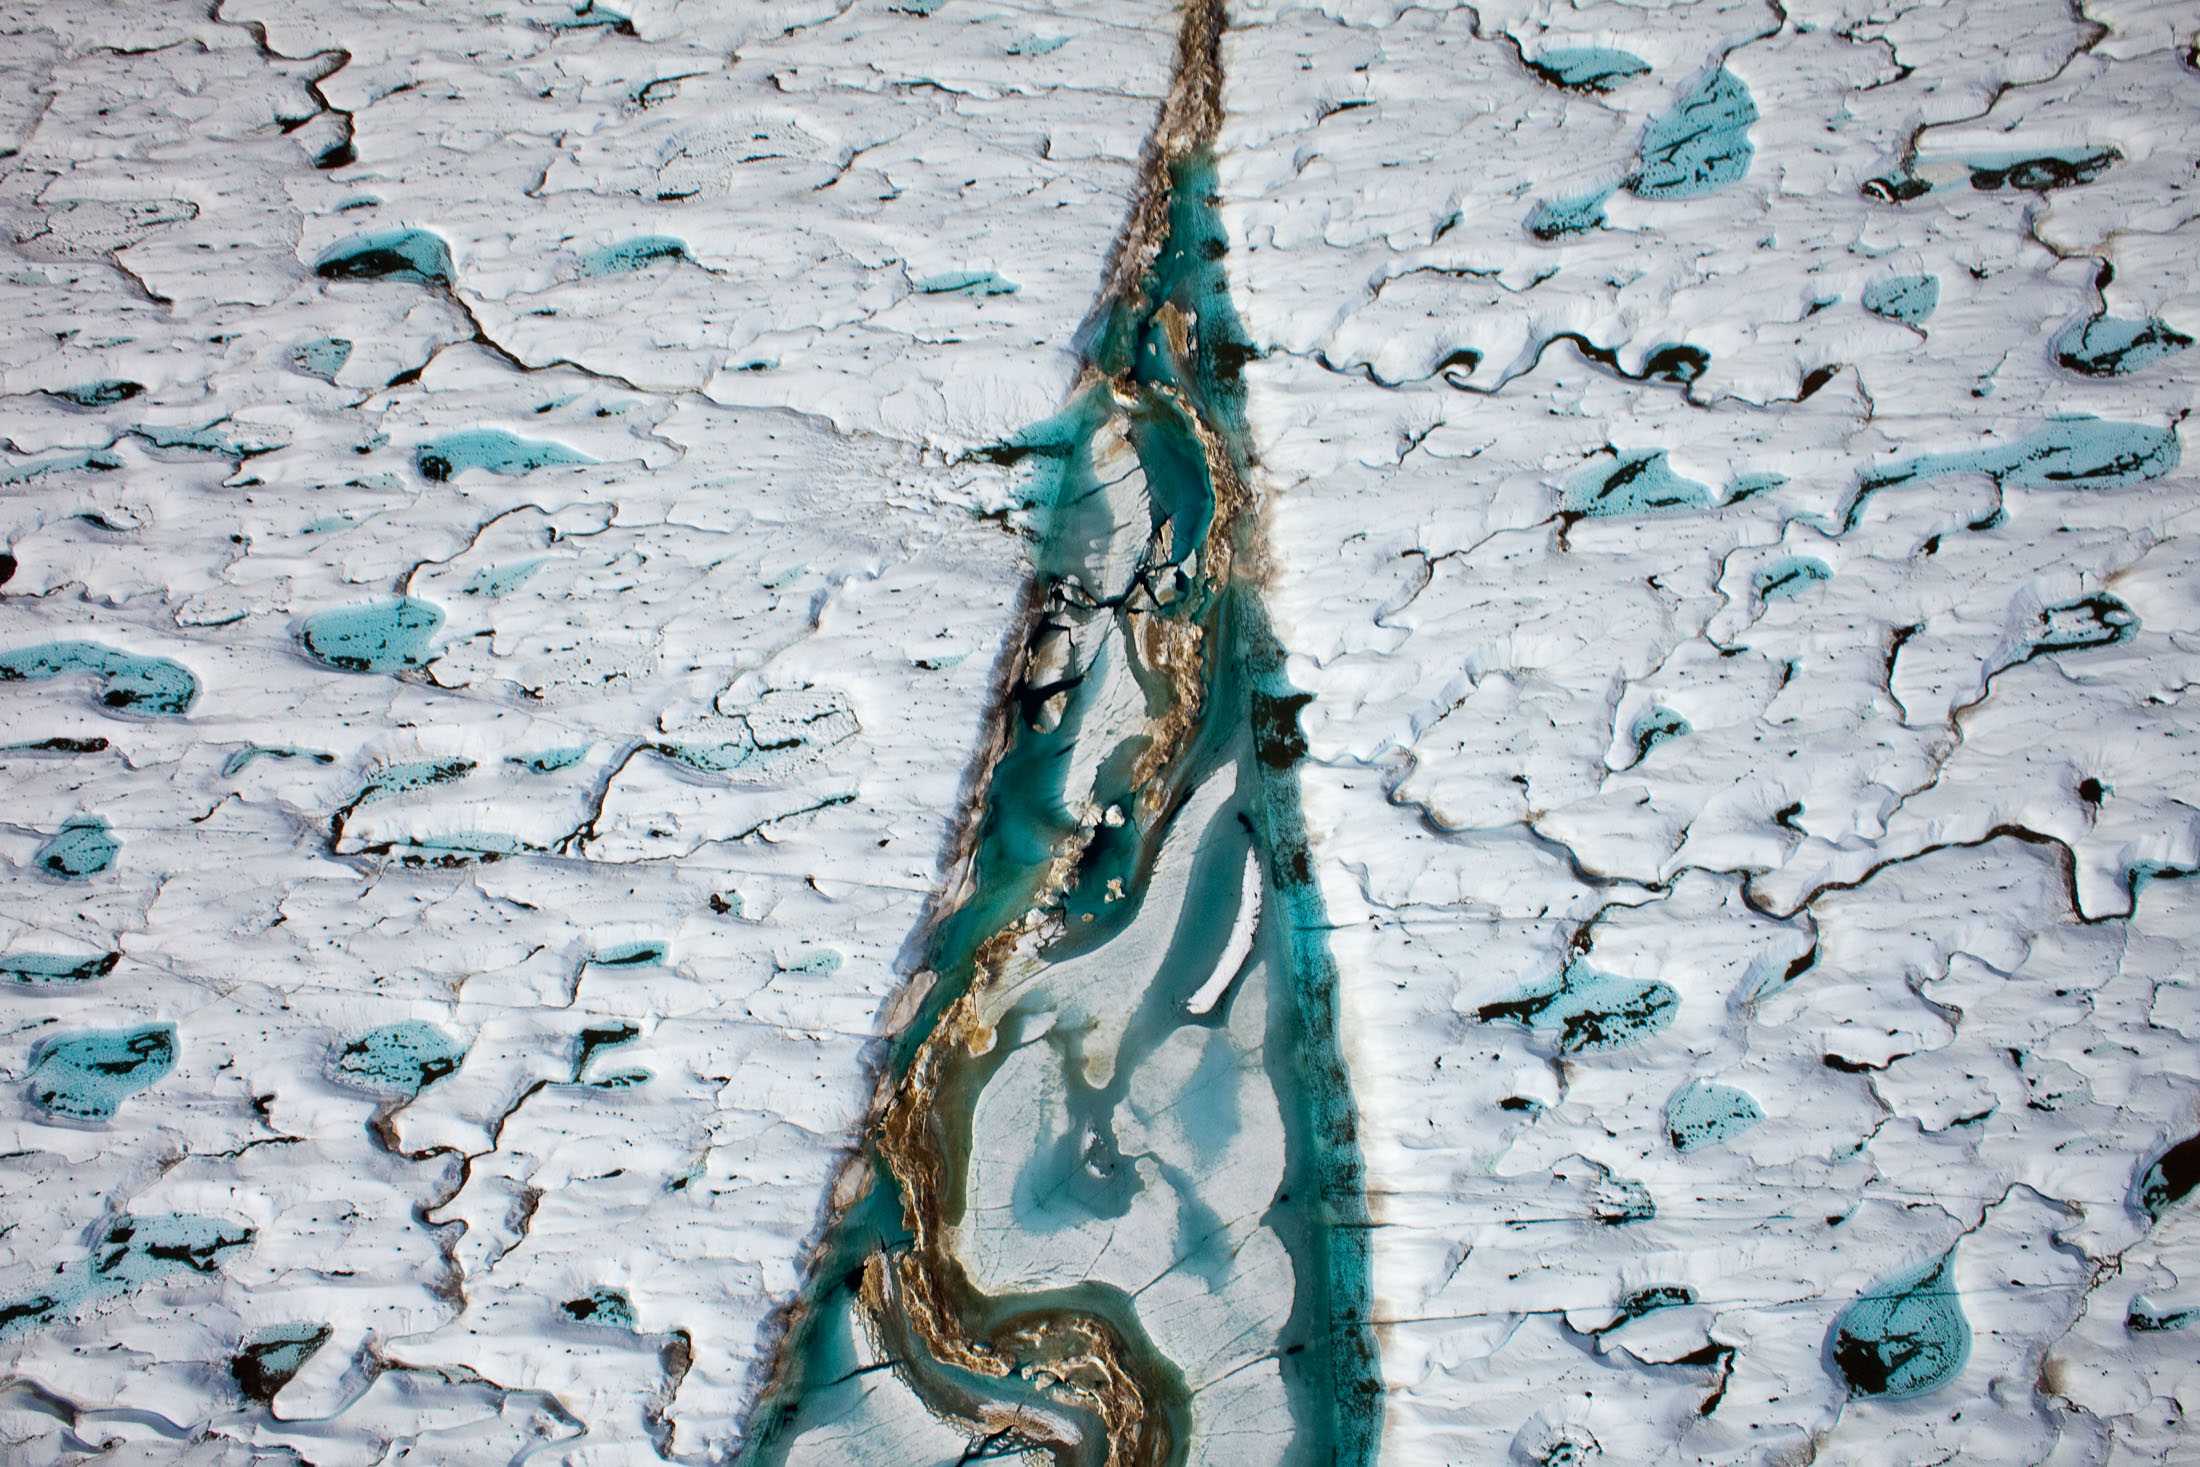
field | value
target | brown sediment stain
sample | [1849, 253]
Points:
[1191, 116]
[1177, 651]
[1068, 1354]
[999, 733]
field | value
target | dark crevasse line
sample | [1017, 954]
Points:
[1136, 956]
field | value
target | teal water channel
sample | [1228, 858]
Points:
[1115, 1210]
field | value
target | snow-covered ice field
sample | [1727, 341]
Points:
[506, 585]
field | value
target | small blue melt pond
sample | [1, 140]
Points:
[382, 636]
[86, 1076]
[398, 1059]
[411, 255]
[83, 848]
[152, 687]
[1904, 1337]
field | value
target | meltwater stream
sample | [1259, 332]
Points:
[1114, 1211]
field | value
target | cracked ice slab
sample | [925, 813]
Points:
[1723, 688]
[539, 440]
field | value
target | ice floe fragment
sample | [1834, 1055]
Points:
[1240, 945]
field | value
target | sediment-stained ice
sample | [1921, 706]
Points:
[519, 518]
